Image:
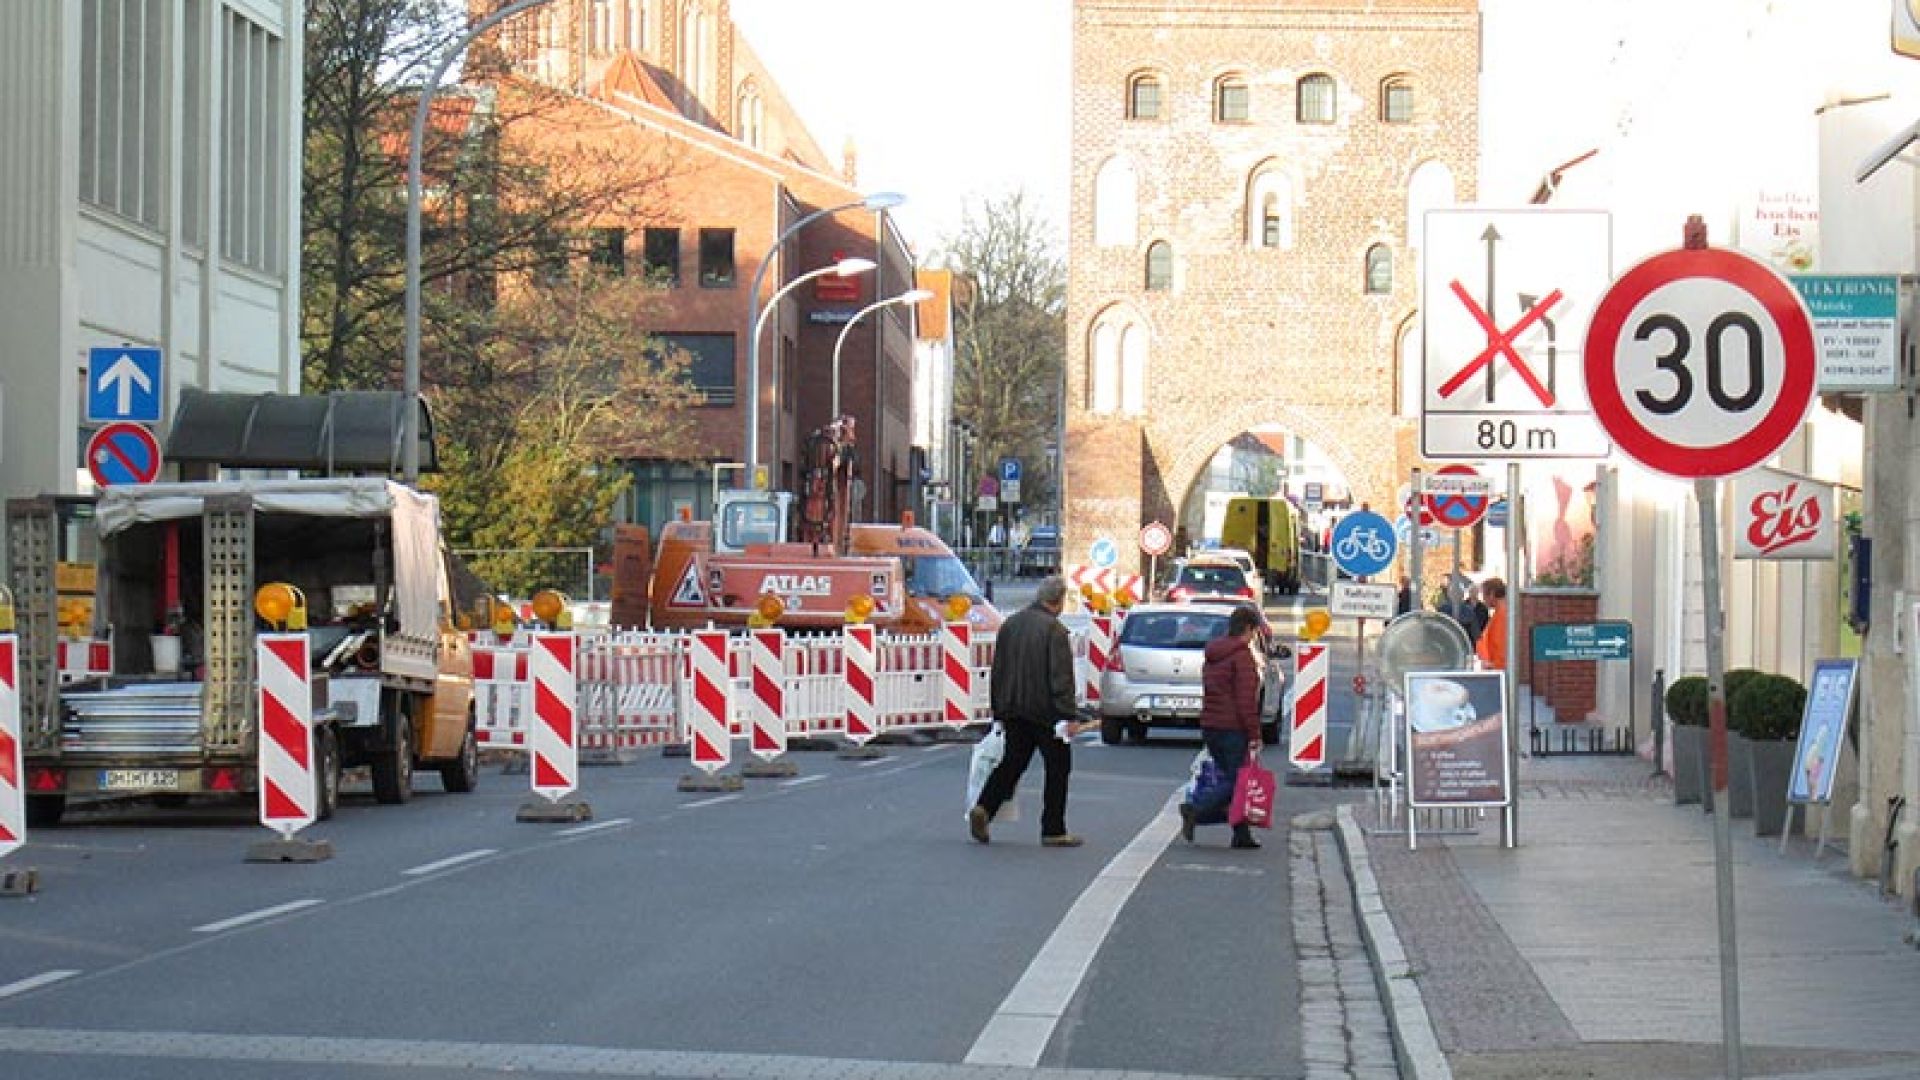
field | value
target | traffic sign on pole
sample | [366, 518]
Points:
[1155, 539]
[1363, 543]
[123, 453]
[1451, 506]
[1701, 362]
[124, 384]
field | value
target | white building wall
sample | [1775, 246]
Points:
[74, 276]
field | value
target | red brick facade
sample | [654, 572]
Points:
[1254, 327]
[1569, 687]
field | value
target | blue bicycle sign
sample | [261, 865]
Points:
[1363, 543]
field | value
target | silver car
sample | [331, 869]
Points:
[1154, 679]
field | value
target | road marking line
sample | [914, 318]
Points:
[1018, 1032]
[874, 762]
[798, 780]
[579, 830]
[256, 916]
[45, 978]
[452, 860]
[715, 801]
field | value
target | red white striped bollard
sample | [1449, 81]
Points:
[289, 796]
[767, 717]
[553, 731]
[13, 797]
[1307, 742]
[958, 647]
[862, 683]
[710, 745]
[1099, 653]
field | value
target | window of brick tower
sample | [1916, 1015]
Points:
[1143, 97]
[1231, 101]
[1315, 100]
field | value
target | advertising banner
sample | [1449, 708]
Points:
[1777, 515]
[1457, 739]
[1822, 726]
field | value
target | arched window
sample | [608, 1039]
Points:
[749, 115]
[635, 32]
[1314, 100]
[693, 50]
[600, 27]
[1379, 270]
[1159, 266]
[1103, 395]
[1143, 97]
[1396, 100]
[1133, 370]
[1270, 209]
[1429, 188]
[1115, 204]
[1408, 370]
[1231, 100]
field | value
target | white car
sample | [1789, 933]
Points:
[1154, 680]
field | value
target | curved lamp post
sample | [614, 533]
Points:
[912, 296]
[843, 268]
[410, 420]
[879, 200]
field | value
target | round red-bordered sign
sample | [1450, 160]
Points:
[123, 453]
[1454, 510]
[1155, 539]
[1700, 362]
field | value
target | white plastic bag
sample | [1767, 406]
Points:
[987, 755]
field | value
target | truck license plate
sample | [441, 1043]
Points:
[139, 780]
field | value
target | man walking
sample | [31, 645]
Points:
[1033, 699]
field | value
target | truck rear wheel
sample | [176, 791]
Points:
[326, 773]
[393, 766]
[462, 774]
[45, 810]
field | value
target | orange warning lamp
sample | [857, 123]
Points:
[906, 519]
[6, 610]
[502, 619]
[1125, 598]
[860, 608]
[1101, 602]
[767, 611]
[1316, 624]
[283, 606]
[958, 606]
[550, 606]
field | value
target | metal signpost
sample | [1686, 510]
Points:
[1701, 363]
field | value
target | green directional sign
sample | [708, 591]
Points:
[1583, 641]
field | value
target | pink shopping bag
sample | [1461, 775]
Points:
[1253, 793]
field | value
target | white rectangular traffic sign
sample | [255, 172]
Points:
[124, 383]
[1363, 600]
[1505, 300]
[1439, 483]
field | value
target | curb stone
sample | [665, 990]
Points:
[1414, 1043]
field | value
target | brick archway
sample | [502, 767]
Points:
[1205, 440]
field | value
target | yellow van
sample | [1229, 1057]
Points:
[1269, 529]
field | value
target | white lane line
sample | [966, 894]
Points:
[579, 830]
[798, 780]
[1018, 1032]
[451, 860]
[256, 916]
[45, 978]
[874, 762]
[715, 801]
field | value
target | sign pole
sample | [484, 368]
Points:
[1706, 493]
[1416, 505]
[1516, 517]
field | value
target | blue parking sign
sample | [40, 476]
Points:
[124, 383]
[1009, 470]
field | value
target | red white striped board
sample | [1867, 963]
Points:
[862, 682]
[82, 658]
[13, 797]
[710, 745]
[287, 794]
[957, 645]
[1099, 653]
[554, 737]
[1307, 744]
[767, 738]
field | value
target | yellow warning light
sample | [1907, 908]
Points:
[958, 606]
[1125, 598]
[6, 610]
[550, 607]
[1101, 603]
[282, 605]
[860, 608]
[768, 609]
[501, 619]
[1316, 624]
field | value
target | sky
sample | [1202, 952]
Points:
[946, 103]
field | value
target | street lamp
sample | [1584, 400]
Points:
[879, 200]
[843, 268]
[911, 296]
[410, 378]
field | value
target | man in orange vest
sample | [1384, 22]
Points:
[1492, 646]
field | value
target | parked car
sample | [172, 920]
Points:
[1041, 555]
[1212, 577]
[1155, 678]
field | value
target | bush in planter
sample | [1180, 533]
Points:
[1687, 705]
[1687, 701]
[1739, 756]
[1767, 713]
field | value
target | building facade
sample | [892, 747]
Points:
[673, 84]
[150, 197]
[1248, 180]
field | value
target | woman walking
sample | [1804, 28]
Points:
[1229, 721]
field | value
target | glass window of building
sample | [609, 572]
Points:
[661, 252]
[716, 258]
[1159, 266]
[1396, 100]
[1231, 100]
[1314, 102]
[1379, 270]
[1143, 97]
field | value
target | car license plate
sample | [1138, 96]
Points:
[1177, 704]
[139, 779]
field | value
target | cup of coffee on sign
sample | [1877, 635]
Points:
[1440, 705]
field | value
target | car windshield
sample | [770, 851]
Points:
[1173, 629]
[1224, 577]
[940, 576]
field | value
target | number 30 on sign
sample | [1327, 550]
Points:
[1701, 362]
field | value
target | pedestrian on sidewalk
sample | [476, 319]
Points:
[1492, 646]
[1229, 721]
[1033, 699]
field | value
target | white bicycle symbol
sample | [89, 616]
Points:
[1362, 542]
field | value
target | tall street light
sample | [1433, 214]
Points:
[912, 296]
[879, 200]
[410, 420]
[843, 268]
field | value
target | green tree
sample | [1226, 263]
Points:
[1010, 336]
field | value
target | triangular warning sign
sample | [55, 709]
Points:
[688, 593]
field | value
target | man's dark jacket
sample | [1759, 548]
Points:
[1033, 668]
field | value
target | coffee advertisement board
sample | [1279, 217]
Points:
[1456, 739]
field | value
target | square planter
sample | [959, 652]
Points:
[1739, 776]
[1689, 751]
[1770, 765]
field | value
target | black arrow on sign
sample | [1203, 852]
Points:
[1553, 346]
[1492, 239]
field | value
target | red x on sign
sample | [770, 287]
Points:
[1501, 341]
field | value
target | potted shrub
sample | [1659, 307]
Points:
[1769, 710]
[1687, 708]
[1739, 772]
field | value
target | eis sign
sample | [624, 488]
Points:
[1778, 515]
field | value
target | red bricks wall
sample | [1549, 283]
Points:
[1570, 687]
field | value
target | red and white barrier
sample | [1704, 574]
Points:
[287, 794]
[82, 658]
[768, 737]
[1099, 654]
[502, 696]
[708, 734]
[958, 663]
[629, 694]
[862, 684]
[13, 797]
[1307, 743]
[553, 740]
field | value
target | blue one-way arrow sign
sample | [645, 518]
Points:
[124, 384]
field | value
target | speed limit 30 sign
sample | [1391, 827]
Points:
[1700, 362]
